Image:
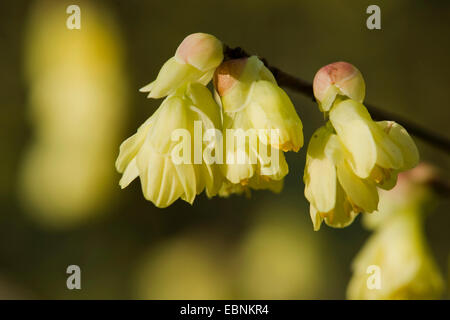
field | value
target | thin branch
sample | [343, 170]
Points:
[439, 185]
[301, 86]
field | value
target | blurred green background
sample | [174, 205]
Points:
[263, 247]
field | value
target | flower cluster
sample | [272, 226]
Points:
[149, 153]
[253, 103]
[352, 155]
[248, 127]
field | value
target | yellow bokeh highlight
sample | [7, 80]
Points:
[77, 111]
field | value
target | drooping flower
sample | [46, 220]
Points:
[151, 153]
[398, 248]
[247, 87]
[78, 111]
[336, 194]
[195, 61]
[365, 154]
[379, 150]
[259, 123]
[406, 267]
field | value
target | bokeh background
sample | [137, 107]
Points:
[69, 97]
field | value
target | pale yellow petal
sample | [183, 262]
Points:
[130, 147]
[237, 173]
[328, 98]
[159, 179]
[342, 214]
[320, 184]
[403, 140]
[352, 124]
[320, 173]
[240, 162]
[274, 167]
[148, 87]
[209, 178]
[172, 75]
[187, 179]
[174, 114]
[315, 217]
[204, 105]
[131, 172]
[265, 74]
[271, 109]
[389, 155]
[360, 192]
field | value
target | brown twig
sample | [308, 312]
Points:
[301, 86]
[439, 185]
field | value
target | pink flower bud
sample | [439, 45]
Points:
[338, 78]
[201, 50]
[227, 74]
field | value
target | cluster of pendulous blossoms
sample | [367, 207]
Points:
[256, 117]
[249, 124]
[352, 155]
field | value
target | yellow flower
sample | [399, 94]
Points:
[352, 155]
[246, 87]
[150, 153]
[338, 78]
[378, 150]
[259, 123]
[406, 267]
[195, 61]
[78, 98]
[247, 154]
[335, 193]
[398, 249]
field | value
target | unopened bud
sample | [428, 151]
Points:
[338, 78]
[227, 74]
[195, 60]
[201, 50]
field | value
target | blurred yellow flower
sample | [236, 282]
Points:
[195, 61]
[278, 258]
[150, 153]
[76, 77]
[407, 269]
[398, 249]
[187, 267]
